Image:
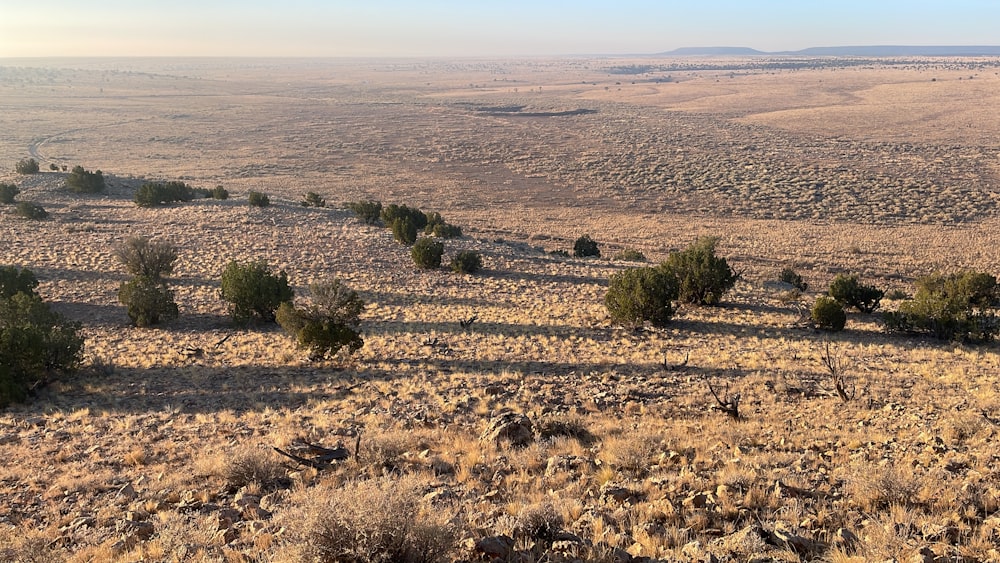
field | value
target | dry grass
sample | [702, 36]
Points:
[173, 426]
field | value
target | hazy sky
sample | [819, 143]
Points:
[477, 28]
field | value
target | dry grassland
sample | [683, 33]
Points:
[160, 449]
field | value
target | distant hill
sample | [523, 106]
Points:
[848, 51]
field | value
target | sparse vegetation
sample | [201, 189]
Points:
[828, 314]
[258, 199]
[426, 253]
[639, 295]
[148, 300]
[466, 262]
[586, 247]
[26, 166]
[702, 277]
[792, 278]
[219, 192]
[852, 293]
[958, 306]
[253, 292]
[81, 181]
[313, 199]
[328, 324]
[629, 255]
[368, 211]
[30, 210]
[8, 192]
[143, 257]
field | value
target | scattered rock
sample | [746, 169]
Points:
[511, 427]
[498, 547]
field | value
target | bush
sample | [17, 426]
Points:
[368, 211]
[26, 166]
[30, 210]
[14, 280]
[253, 291]
[828, 314]
[8, 192]
[313, 199]
[393, 212]
[559, 253]
[141, 257]
[851, 293]
[792, 278]
[81, 181]
[585, 247]
[152, 194]
[466, 262]
[404, 230]
[638, 295]
[446, 230]
[629, 255]
[53, 166]
[702, 277]
[34, 342]
[329, 324]
[426, 253]
[258, 199]
[147, 300]
[956, 306]
[218, 192]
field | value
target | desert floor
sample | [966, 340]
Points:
[160, 447]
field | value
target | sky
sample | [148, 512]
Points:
[477, 28]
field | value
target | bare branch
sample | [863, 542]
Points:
[729, 404]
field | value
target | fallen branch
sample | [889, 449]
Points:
[730, 404]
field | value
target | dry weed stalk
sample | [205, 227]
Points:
[836, 365]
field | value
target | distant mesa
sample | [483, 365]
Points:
[848, 51]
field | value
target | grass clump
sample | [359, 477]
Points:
[258, 199]
[30, 210]
[852, 293]
[639, 295]
[26, 166]
[368, 211]
[586, 247]
[313, 199]
[253, 292]
[252, 465]
[828, 314]
[329, 324]
[467, 262]
[8, 192]
[81, 181]
[702, 277]
[426, 253]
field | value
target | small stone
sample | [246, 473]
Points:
[495, 546]
[510, 427]
[127, 492]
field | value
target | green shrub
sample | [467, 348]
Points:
[313, 199]
[258, 199]
[702, 277]
[426, 253]
[26, 166]
[35, 342]
[466, 262]
[151, 194]
[828, 314]
[958, 306]
[254, 293]
[393, 212]
[404, 230]
[368, 211]
[53, 166]
[30, 210]
[792, 278]
[81, 181]
[328, 325]
[638, 295]
[446, 230]
[142, 257]
[14, 280]
[148, 301]
[630, 255]
[851, 293]
[586, 247]
[218, 192]
[8, 192]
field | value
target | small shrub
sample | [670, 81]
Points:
[147, 300]
[703, 277]
[446, 230]
[851, 293]
[81, 181]
[328, 325]
[368, 211]
[53, 166]
[253, 466]
[828, 314]
[313, 199]
[14, 280]
[426, 253]
[958, 306]
[142, 257]
[466, 262]
[586, 247]
[630, 255]
[254, 293]
[896, 295]
[404, 230]
[218, 192]
[638, 295]
[258, 199]
[392, 212]
[26, 166]
[30, 210]
[559, 253]
[151, 194]
[8, 192]
[792, 278]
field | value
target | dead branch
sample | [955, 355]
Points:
[223, 341]
[466, 323]
[729, 404]
[666, 364]
[835, 365]
[992, 421]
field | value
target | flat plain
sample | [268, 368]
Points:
[886, 168]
